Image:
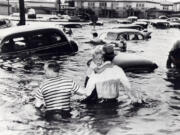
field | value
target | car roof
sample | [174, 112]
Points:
[25, 28]
[123, 30]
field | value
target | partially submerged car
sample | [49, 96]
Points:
[129, 26]
[124, 21]
[5, 23]
[142, 24]
[98, 23]
[132, 18]
[29, 40]
[126, 34]
[174, 19]
[160, 24]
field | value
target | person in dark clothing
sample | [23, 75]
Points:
[174, 56]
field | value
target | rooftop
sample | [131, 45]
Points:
[24, 28]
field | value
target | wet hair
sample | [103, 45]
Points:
[53, 65]
[95, 34]
[108, 52]
[97, 50]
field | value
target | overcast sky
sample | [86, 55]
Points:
[173, 0]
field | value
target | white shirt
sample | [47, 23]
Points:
[108, 83]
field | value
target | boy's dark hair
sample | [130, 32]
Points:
[95, 34]
[108, 53]
[53, 65]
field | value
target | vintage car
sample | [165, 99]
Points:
[163, 17]
[132, 18]
[98, 23]
[115, 35]
[124, 21]
[142, 24]
[72, 25]
[39, 40]
[174, 19]
[129, 26]
[5, 23]
[160, 24]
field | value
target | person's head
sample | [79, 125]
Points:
[108, 52]
[51, 68]
[177, 44]
[95, 34]
[97, 55]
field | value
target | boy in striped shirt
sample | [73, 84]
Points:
[55, 93]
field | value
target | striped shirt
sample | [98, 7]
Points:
[56, 93]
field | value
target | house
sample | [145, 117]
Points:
[5, 8]
[41, 6]
[176, 6]
[122, 8]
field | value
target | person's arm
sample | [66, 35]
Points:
[76, 89]
[39, 100]
[169, 62]
[133, 95]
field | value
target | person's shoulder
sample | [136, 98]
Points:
[117, 68]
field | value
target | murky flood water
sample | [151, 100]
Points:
[160, 116]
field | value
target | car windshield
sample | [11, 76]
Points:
[111, 36]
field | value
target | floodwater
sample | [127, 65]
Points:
[159, 116]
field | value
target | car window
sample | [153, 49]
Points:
[124, 36]
[8, 46]
[112, 36]
[14, 44]
[44, 38]
[140, 37]
[20, 43]
[135, 36]
[54, 38]
[37, 40]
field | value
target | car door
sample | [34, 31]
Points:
[15, 46]
[48, 41]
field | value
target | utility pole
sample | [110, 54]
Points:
[22, 20]
[8, 7]
[59, 4]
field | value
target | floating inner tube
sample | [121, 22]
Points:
[130, 62]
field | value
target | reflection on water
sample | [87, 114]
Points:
[159, 115]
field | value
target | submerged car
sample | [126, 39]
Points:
[5, 23]
[28, 40]
[126, 34]
[129, 26]
[160, 24]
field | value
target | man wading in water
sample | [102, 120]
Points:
[55, 92]
[105, 83]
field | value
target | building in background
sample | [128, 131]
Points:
[124, 8]
[5, 8]
[41, 6]
[102, 8]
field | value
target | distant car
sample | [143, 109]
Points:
[72, 25]
[174, 25]
[28, 40]
[5, 23]
[163, 17]
[129, 26]
[160, 24]
[174, 19]
[115, 35]
[98, 23]
[132, 18]
[74, 19]
[124, 21]
[31, 13]
[142, 24]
